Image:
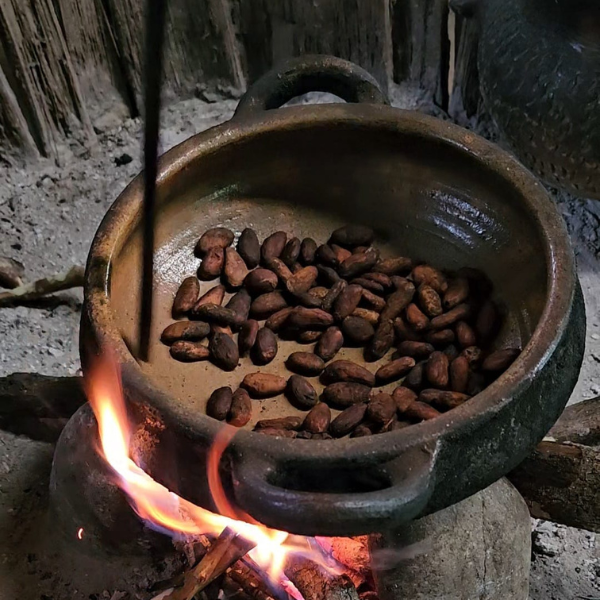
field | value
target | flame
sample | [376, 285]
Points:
[166, 511]
[80, 533]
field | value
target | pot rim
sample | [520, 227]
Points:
[472, 414]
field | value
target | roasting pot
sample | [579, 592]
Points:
[431, 190]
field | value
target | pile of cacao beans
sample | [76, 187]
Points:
[440, 327]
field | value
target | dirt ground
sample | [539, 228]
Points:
[48, 215]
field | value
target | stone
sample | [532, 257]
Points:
[478, 549]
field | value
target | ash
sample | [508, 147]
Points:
[49, 212]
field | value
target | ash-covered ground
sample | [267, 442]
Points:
[49, 212]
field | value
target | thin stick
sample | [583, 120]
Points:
[226, 551]
[42, 287]
[155, 26]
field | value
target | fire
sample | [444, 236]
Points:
[165, 510]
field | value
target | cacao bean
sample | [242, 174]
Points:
[344, 394]
[405, 333]
[459, 374]
[309, 318]
[393, 266]
[247, 336]
[219, 403]
[361, 431]
[399, 300]
[327, 275]
[340, 253]
[265, 348]
[267, 304]
[394, 370]
[381, 278]
[264, 385]
[240, 304]
[473, 354]
[212, 264]
[318, 419]
[348, 420]
[309, 337]
[319, 292]
[465, 335]
[273, 246]
[357, 264]
[488, 322]
[479, 283]
[326, 256]
[457, 292]
[416, 318]
[277, 320]
[476, 383]
[261, 281]
[248, 248]
[291, 252]
[431, 276]
[235, 269]
[186, 296]
[301, 393]
[381, 408]
[220, 329]
[330, 343]
[451, 351]
[360, 249]
[333, 294]
[500, 360]
[224, 352]
[215, 238]
[219, 315]
[373, 300]
[214, 296]
[419, 411]
[441, 337]
[429, 301]
[308, 249]
[304, 435]
[189, 331]
[295, 268]
[368, 284]
[437, 369]
[351, 236]
[415, 378]
[397, 425]
[321, 436]
[347, 302]
[357, 331]
[288, 423]
[403, 397]
[184, 351]
[381, 342]
[280, 269]
[302, 281]
[458, 313]
[240, 412]
[308, 300]
[282, 433]
[442, 398]
[305, 363]
[371, 316]
[347, 371]
[415, 349]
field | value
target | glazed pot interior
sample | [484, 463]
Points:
[426, 198]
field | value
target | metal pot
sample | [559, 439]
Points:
[431, 190]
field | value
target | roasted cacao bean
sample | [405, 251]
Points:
[404, 333]
[343, 394]
[351, 236]
[457, 292]
[273, 246]
[348, 420]
[240, 304]
[309, 318]
[333, 294]
[381, 408]
[212, 264]
[235, 269]
[219, 315]
[381, 342]
[437, 369]
[415, 349]
[261, 281]
[309, 337]
[488, 322]
[327, 275]
[419, 411]
[394, 370]
[357, 264]
[303, 280]
[441, 337]
[361, 431]
[305, 363]
[318, 419]
[340, 253]
[373, 300]
[416, 318]
[476, 383]
[248, 248]
[241, 409]
[415, 378]
[473, 354]
[190, 331]
[184, 351]
[264, 385]
[347, 371]
[277, 320]
[398, 301]
[301, 393]
[247, 336]
[394, 266]
[465, 335]
[458, 313]
[291, 252]
[308, 249]
[265, 348]
[219, 403]
[459, 374]
[357, 330]
[403, 397]
[347, 302]
[280, 269]
[330, 343]
[214, 296]
[500, 360]
[327, 256]
[429, 301]
[224, 352]
[186, 296]
[371, 316]
[431, 276]
[319, 292]
[381, 278]
[368, 284]
[215, 238]
[308, 300]
[451, 351]
[289, 423]
[442, 398]
[283, 433]
[267, 304]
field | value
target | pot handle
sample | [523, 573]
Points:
[310, 73]
[410, 479]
